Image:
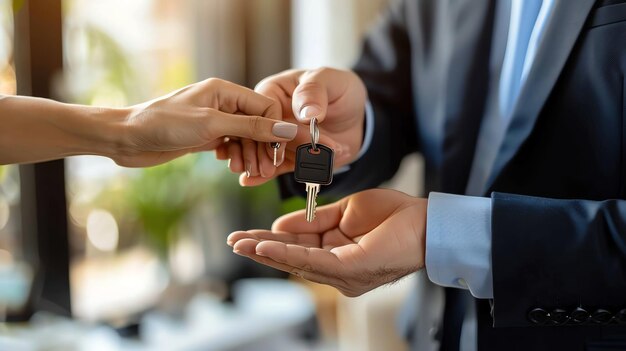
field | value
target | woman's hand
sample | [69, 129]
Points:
[198, 117]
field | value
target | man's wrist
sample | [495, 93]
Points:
[419, 227]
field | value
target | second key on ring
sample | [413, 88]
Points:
[275, 146]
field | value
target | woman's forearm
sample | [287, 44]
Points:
[34, 129]
[195, 118]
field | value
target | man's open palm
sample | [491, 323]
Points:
[356, 244]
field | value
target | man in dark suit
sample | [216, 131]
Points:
[519, 108]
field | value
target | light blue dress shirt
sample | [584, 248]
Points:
[458, 229]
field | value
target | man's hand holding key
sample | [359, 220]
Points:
[335, 98]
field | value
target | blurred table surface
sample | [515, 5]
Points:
[269, 314]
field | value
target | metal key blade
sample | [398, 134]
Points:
[275, 146]
[311, 196]
[275, 157]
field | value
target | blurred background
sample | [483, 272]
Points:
[98, 257]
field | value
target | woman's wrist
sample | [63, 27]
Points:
[96, 130]
[42, 129]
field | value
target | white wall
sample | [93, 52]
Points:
[328, 32]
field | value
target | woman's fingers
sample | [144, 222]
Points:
[235, 157]
[233, 98]
[244, 180]
[249, 151]
[219, 124]
[221, 152]
[265, 161]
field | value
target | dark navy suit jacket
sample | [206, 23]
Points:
[558, 185]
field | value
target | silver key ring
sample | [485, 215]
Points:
[315, 133]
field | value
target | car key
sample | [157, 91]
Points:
[314, 167]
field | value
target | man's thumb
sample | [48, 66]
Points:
[310, 99]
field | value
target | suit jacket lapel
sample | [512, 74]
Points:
[471, 29]
[561, 32]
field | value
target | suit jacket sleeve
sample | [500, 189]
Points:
[558, 262]
[385, 68]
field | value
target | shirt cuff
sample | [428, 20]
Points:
[367, 137]
[458, 243]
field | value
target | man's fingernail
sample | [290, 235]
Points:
[285, 130]
[338, 149]
[310, 112]
[248, 169]
[260, 253]
[238, 252]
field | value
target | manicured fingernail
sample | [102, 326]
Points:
[242, 179]
[248, 169]
[238, 252]
[310, 111]
[260, 253]
[285, 130]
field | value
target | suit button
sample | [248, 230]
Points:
[579, 316]
[601, 316]
[621, 316]
[558, 316]
[538, 316]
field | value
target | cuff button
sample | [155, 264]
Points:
[558, 316]
[579, 315]
[538, 316]
[601, 316]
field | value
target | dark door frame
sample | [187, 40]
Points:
[38, 62]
